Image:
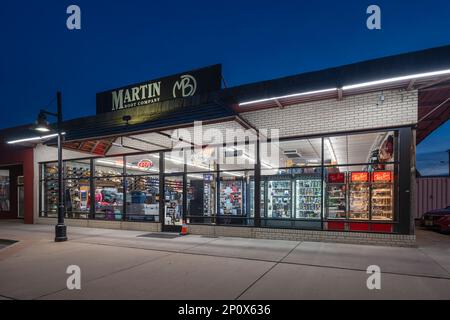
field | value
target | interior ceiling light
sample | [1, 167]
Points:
[330, 149]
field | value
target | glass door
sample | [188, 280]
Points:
[173, 203]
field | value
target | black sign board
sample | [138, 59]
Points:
[181, 85]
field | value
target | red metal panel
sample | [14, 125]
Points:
[432, 193]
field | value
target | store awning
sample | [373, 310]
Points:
[434, 110]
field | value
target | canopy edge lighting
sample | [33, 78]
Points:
[288, 96]
[354, 86]
[395, 79]
[34, 138]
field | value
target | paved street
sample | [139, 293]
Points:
[121, 265]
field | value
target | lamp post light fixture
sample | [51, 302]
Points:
[42, 125]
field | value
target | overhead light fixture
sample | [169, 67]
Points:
[41, 123]
[396, 79]
[35, 138]
[288, 96]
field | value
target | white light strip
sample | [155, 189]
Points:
[355, 86]
[402, 78]
[288, 96]
[35, 138]
[330, 149]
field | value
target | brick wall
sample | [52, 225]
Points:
[352, 113]
[305, 235]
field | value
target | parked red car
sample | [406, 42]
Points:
[437, 219]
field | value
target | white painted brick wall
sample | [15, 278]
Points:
[352, 113]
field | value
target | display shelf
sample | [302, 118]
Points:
[279, 198]
[308, 199]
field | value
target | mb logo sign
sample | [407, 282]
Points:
[187, 85]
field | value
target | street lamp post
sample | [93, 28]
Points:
[42, 126]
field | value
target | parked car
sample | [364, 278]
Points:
[437, 219]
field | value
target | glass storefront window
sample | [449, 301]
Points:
[308, 196]
[382, 195]
[142, 164]
[142, 198]
[107, 167]
[234, 198]
[109, 198]
[77, 169]
[49, 200]
[4, 191]
[359, 193]
[375, 148]
[76, 198]
[201, 197]
[50, 171]
[173, 162]
[173, 200]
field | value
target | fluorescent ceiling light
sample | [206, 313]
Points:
[402, 78]
[330, 149]
[288, 96]
[35, 138]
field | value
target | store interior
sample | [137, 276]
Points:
[345, 177]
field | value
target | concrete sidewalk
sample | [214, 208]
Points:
[121, 265]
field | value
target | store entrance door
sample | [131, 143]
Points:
[173, 203]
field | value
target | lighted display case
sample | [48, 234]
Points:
[382, 196]
[359, 195]
[279, 198]
[336, 199]
[308, 197]
[231, 193]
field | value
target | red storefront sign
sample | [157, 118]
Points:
[145, 164]
[336, 178]
[359, 177]
[382, 176]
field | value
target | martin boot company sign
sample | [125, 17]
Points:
[181, 85]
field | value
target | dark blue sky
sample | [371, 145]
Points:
[123, 42]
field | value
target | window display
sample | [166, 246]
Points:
[201, 195]
[143, 198]
[50, 198]
[308, 196]
[77, 169]
[359, 195]
[173, 197]
[279, 198]
[4, 190]
[76, 198]
[109, 198]
[108, 167]
[336, 202]
[382, 195]
[252, 198]
[231, 197]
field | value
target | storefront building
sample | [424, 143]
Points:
[341, 165]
